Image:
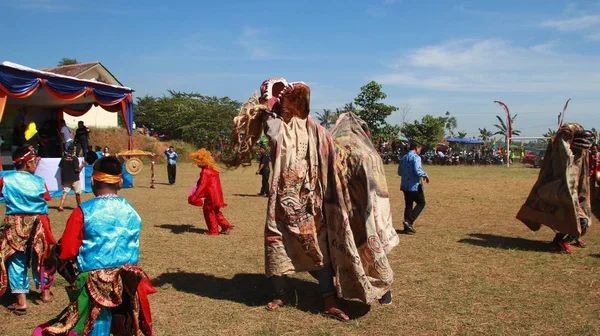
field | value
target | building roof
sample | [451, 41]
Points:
[44, 73]
[72, 70]
[75, 70]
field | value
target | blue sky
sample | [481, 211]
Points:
[436, 56]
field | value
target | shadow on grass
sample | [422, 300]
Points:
[595, 255]
[55, 207]
[506, 243]
[249, 195]
[181, 228]
[254, 290]
[596, 208]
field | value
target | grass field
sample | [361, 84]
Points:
[472, 268]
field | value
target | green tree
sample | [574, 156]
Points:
[429, 131]
[484, 134]
[462, 134]
[450, 124]
[503, 129]
[326, 118]
[372, 110]
[550, 134]
[192, 117]
[67, 61]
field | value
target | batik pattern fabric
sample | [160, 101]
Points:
[328, 203]
[28, 234]
[113, 300]
[560, 196]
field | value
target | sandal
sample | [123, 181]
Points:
[17, 311]
[61, 209]
[211, 234]
[337, 314]
[20, 311]
[276, 304]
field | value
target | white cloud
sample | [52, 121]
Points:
[593, 37]
[494, 65]
[380, 7]
[252, 40]
[574, 24]
[545, 47]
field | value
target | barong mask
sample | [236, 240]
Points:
[278, 99]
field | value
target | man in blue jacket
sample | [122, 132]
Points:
[412, 185]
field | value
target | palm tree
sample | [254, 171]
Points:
[462, 134]
[325, 118]
[550, 134]
[450, 124]
[484, 134]
[503, 129]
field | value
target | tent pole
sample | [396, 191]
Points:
[3, 99]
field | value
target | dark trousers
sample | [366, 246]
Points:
[324, 276]
[264, 189]
[81, 146]
[171, 172]
[410, 198]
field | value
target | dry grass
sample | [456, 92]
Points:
[117, 139]
[472, 268]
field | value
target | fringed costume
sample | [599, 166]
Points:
[560, 197]
[328, 211]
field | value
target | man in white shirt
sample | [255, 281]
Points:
[65, 134]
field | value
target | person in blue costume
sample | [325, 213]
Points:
[25, 234]
[108, 292]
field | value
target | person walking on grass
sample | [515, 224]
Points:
[264, 171]
[412, 186]
[69, 174]
[171, 164]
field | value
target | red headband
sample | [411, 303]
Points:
[27, 157]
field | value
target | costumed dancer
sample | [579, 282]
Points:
[560, 197]
[593, 170]
[25, 235]
[328, 212]
[209, 188]
[108, 292]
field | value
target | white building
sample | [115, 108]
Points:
[97, 116]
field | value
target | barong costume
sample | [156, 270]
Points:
[208, 193]
[560, 197]
[107, 291]
[329, 204]
[25, 235]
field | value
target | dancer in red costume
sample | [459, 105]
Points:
[209, 188]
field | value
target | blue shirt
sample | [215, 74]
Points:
[171, 157]
[410, 171]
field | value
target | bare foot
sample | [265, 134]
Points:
[332, 311]
[337, 314]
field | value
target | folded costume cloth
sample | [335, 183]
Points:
[560, 197]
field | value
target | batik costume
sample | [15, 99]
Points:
[25, 235]
[560, 197]
[329, 205]
[107, 291]
[208, 193]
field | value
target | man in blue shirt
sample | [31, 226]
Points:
[171, 164]
[412, 185]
